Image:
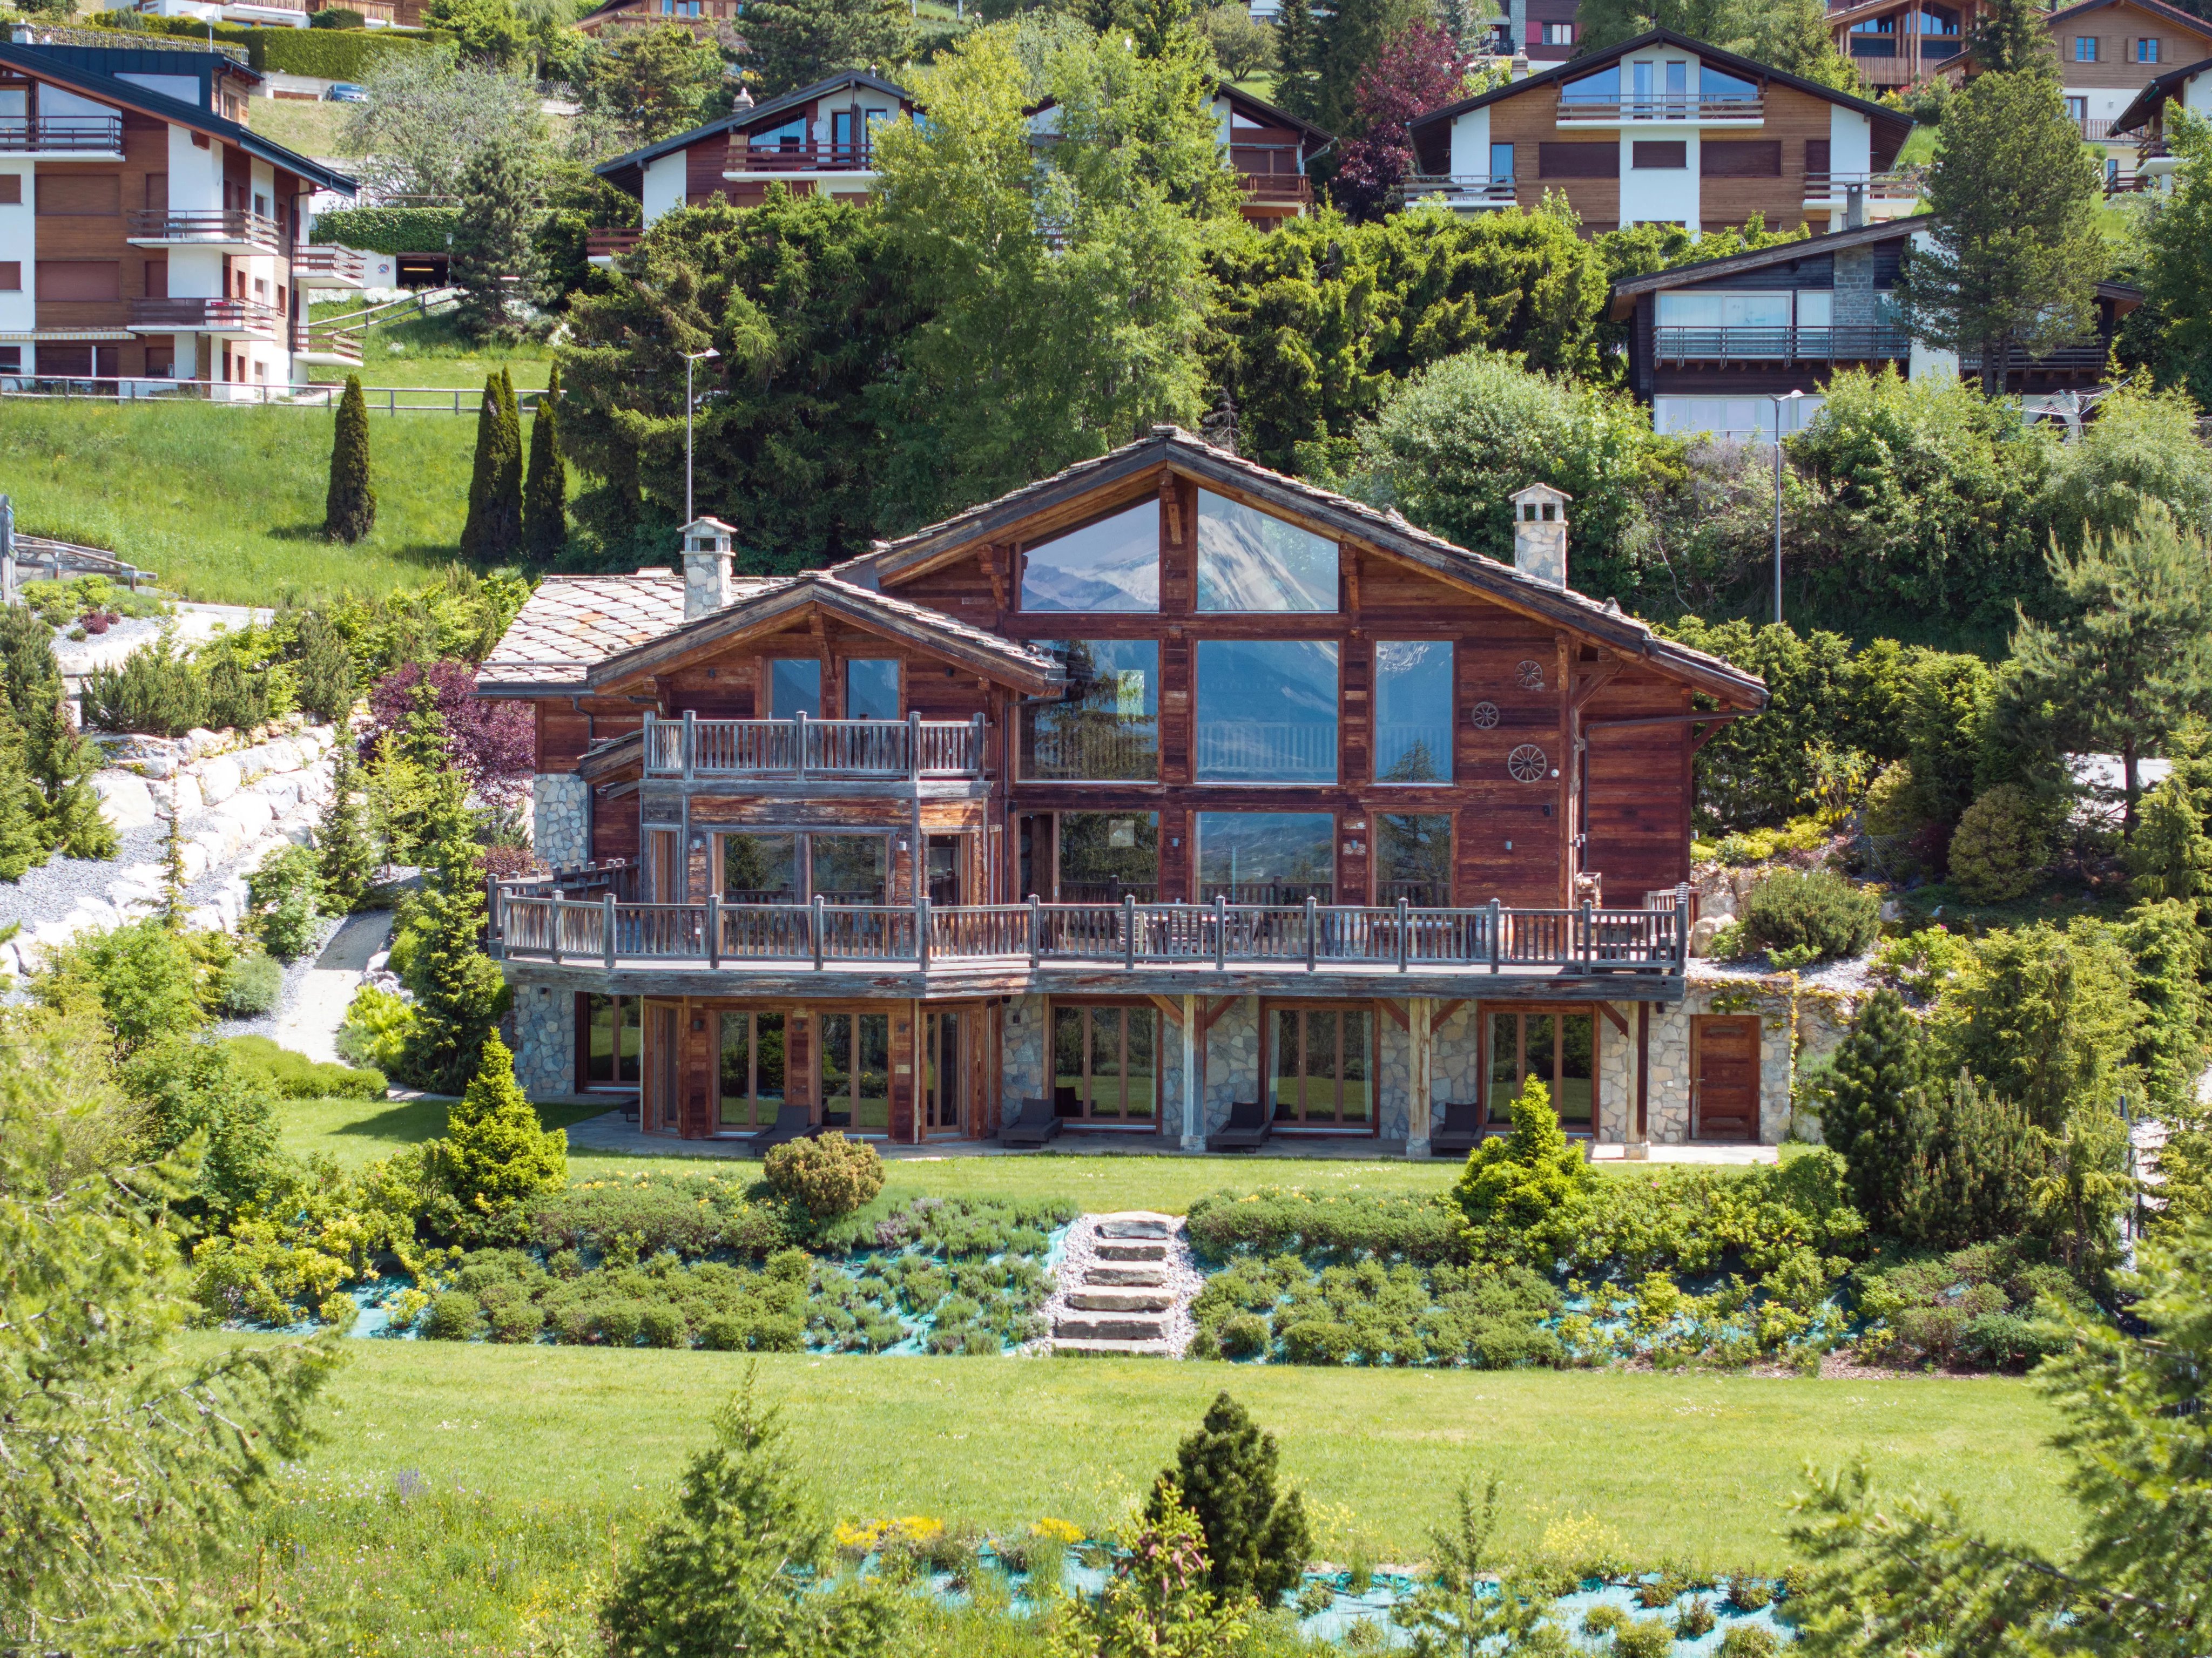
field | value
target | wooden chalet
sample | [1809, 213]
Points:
[2143, 122]
[1164, 784]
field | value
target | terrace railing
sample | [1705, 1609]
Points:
[50, 134]
[805, 748]
[609, 931]
[228, 226]
[1676, 106]
[1460, 189]
[1780, 345]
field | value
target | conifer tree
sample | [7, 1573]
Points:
[344, 857]
[1225, 1473]
[59, 759]
[323, 677]
[546, 496]
[1298, 81]
[1880, 1072]
[349, 510]
[1968, 1174]
[23, 846]
[459, 992]
[494, 530]
[494, 1151]
[2014, 40]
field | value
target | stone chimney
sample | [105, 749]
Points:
[1855, 206]
[1539, 533]
[709, 550]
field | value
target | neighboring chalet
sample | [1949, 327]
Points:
[819, 140]
[1665, 129]
[146, 236]
[1162, 785]
[1732, 345]
[704, 18]
[2143, 121]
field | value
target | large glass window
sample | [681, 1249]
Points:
[1696, 309]
[1111, 565]
[1602, 88]
[760, 869]
[1248, 561]
[1105, 1063]
[752, 1069]
[1320, 1065]
[1412, 712]
[1267, 711]
[1107, 728]
[871, 688]
[1413, 859]
[851, 869]
[1108, 856]
[856, 1071]
[1560, 1048]
[794, 687]
[1267, 857]
[611, 1041]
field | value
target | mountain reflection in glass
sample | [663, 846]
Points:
[1266, 857]
[1267, 711]
[1248, 561]
[1111, 565]
[1413, 711]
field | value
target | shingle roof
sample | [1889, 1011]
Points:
[574, 621]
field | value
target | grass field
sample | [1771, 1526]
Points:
[227, 503]
[311, 129]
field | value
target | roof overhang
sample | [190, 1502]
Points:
[2147, 101]
[1629, 288]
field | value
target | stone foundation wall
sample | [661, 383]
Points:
[1022, 1073]
[1232, 1061]
[1616, 1076]
[561, 819]
[544, 1038]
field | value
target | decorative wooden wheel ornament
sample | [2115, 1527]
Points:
[1485, 715]
[1530, 675]
[1526, 764]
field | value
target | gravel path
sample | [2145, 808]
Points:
[1179, 1277]
[318, 986]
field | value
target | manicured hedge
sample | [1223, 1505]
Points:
[389, 229]
[332, 54]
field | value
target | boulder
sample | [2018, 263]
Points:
[220, 779]
[190, 803]
[282, 754]
[1702, 934]
[125, 801]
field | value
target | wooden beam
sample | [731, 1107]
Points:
[1445, 1010]
[1168, 1006]
[1213, 1017]
[1613, 1014]
[1397, 1014]
[989, 560]
[1710, 732]
[1598, 680]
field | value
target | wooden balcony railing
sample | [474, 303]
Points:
[1901, 185]
[610, 244]
[208, 316]
[1460, 189]
[2091, 354]
[1727, 345]
[610, 934]
[1659, 106]
[798, 158]
[1277, 187]
[804, 748]
[327, 263]
[327, 343]
[221, 226]
[69, 133]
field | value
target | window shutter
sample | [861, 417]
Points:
[1740, 158]
[1584, 161]
[1816, 156]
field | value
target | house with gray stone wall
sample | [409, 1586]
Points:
[1165, 784]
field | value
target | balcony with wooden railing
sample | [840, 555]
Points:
[326, 344]
[61, 135]
[1680, 108]
[805, 748]
[232, 318]
[233, 230]
[604, 246]
[1292, 191]
[1177, 939]
[1721, 347]
[1458, 190]
[317, 264]
[745, 158]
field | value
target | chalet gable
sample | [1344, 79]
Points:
[1122, 480]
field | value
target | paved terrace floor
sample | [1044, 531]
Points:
[615, 1134]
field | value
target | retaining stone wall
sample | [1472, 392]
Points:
[561, 819]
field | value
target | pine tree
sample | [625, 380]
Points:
[1298, 81]
[1879, 1072]
[1454, 1609]
[322, 676]
[350, 511]
[23, 846]
[1968, 1174]
[494, 1151]
[546, 496]
[61, 761]
[459, 992]
[1256, 1542]
[346, 860]
[2014, 40]
[496, 261]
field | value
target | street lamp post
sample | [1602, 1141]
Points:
[1790, 398]
[692, 357]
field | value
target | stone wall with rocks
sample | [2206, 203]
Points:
[1616, 1076]
[1022, 1074]
[561, 819]
[1232, 1061]
[545, 1036]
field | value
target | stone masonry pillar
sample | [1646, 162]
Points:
[1421, 1087]
[544, 1039]
[561, 819]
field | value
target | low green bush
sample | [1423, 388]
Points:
[1646, 1637]
[1422, 1229]
[283, 898]
[389, 229]
[1750, 1591]
[1749, 1641]
[333, 54]
[1366, 1313]
[665, 1302]
[453, 1316]
[377, 1025]
[2000, 846]
[827, 1175]
[248, 986]
[633, 1216]
[1972, 1309]
[1695, 1618]
[296, 1077]
[1801, 917]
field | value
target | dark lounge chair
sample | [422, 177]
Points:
[1246, 1129]
[792, 1123]
[1460, 1132]
[1035, 1125]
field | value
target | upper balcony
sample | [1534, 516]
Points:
[1887, 195]
[229, 318]
[1672, 108]
[746, 160]
[228, 230]
[805, 750]
[604, 248]
[1463, 192]
[1293, 191]
[319, 264]
[79, 137]
[1721, 347]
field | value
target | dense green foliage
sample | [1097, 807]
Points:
[494, 1153]
[1978, 1306]
[2000, 846]
[827, 1177]
[389, 229]
[1274, 1220]
[349, 512]
[1366, 1313]
[493, 533]
[1527, 1195]
[1225, 1473]
[57, 763]
[545, 488]
[1802, 916]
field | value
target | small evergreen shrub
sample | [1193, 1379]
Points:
[349, 508]
[1749, 1641]
[1750, 1591]
[1527, 1196]
[827, 1175]
[453, 1316]
[1972, 1308]
[155, 692]
[1417, 1228]
[282, 895]
[1799, 917]
[1694, 1617]
[2000, 847]
[296, 1077]
[249, 986]
[1256, 1540]
[494, 1151]
[1603, 1619]
[1645, 1638]
[233, 696]
[375, 1031]
[1892, 808]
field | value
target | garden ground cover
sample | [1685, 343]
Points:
[226, 504]
[1691, 1467]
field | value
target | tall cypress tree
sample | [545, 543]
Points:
[1876, 1110]
[484, 478]
[493, 533]
[546, 496]
[507, 501]
[350, 511]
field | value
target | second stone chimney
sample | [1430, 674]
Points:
[709, 549]
[1539, 533]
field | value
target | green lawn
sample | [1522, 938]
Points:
[431, 351]
[311, 129]
[1697, 1467]
[355, 1131]
[227, 503]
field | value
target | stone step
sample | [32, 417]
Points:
[1108, 1349]
[1135, 1278]
[1132, 1252]
[1117, 1327]
[1135, 1227]
[1121, 1301]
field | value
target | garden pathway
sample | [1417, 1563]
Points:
[316, 1007]
[1125, 1284]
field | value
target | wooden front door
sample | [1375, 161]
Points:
[1725, 1062]
[664, 1067]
